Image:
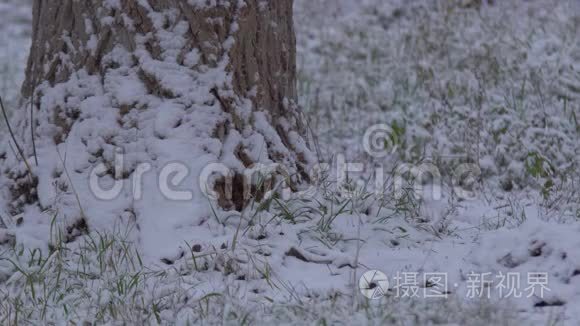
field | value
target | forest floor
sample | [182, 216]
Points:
[484, 99]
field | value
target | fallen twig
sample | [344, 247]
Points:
[32, 128]
[14, 139]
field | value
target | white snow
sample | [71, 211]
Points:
[419, 63]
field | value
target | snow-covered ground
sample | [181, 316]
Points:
[488, 97]
[15, 25]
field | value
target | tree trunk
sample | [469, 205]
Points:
[162, 81]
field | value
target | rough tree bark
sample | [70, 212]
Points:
[198, 81]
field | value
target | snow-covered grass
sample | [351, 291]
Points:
[102, 279]
[495, 86]
[466, 83]
[15, 25]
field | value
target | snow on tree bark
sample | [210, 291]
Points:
[160, 81]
